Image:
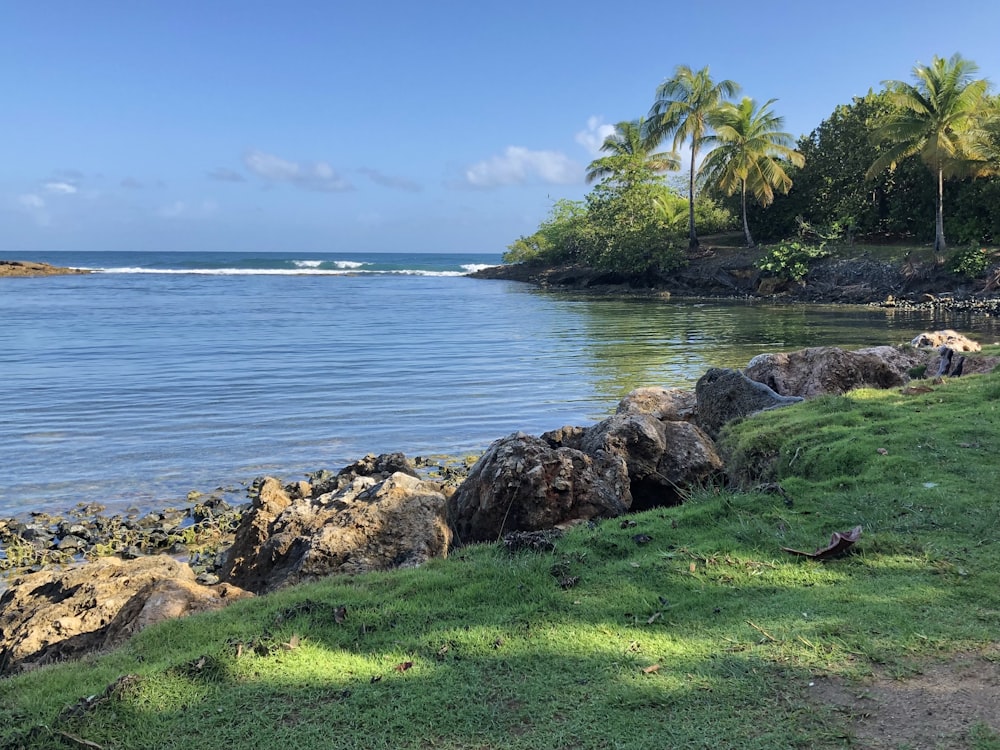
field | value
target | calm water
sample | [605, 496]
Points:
[166, 373]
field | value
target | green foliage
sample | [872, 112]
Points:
[936, 118]
[970, 261]
[629, 233]
[791, 260]
[712, 217]
[559, 238]
[684, 103]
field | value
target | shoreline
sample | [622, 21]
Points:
[32, 269]
[715, 274]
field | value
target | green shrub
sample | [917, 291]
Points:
[970, 261]
[791, 260]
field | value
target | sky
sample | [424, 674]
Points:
[385, 126]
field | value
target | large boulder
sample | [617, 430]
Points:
[54, 615]
[367, 525]
[662, 457]
[522, 483]
[830, 370]
[724, 395]
[955, 341]
[667, 404]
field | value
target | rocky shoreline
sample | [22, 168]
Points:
[733, 274]
[87, 581]
[28, 268]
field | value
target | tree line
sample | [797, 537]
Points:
[895, 164]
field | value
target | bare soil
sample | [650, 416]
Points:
[942, 705]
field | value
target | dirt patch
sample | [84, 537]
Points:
[944, 705]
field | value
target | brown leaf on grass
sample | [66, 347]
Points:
[292, 643]
[654, 617]
[403, 666]
[840, 542]
[651, 669]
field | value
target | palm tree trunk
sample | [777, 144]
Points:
[939, 244]
[746, 224]
[692, 235]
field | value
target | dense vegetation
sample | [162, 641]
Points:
[681, 627]
[914, 162]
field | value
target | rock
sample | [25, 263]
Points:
[32, 268]
[368, 525]
[724, 395]
[58, 614]
[662, 457]
[668, 404]
[952, 339]
[380, 467]
[830, 370]
[254, 529]
[522, 483]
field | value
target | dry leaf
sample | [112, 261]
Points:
[291, 644]
[692, 567]
[651, 669]
[655, 616]
[840, 541]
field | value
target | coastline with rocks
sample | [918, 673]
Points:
[76, 592]
[734, 274]
[29, 268]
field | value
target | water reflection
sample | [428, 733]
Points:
[638, 342]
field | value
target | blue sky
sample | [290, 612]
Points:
[386, 126]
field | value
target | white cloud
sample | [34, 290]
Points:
[318, 176]
[592, 137]
[60, 188]
[185, 210]
[30, 202]
[518, 166]
[34, 206]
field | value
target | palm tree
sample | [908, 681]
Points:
[749, 154]
[936, 118]
[628, 157]
[682, 108]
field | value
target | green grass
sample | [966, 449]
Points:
[707, 636]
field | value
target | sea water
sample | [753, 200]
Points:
[163, 373]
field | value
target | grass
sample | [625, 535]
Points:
[707, 635]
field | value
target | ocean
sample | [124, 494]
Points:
[165, 373]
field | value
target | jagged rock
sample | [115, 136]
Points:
[380, 467]
[662, 457]
[667, 404]
[59, 614]
[367, 525]
[522, 483]
[830, 370]
[724, 395]
[955, 341]
[269, 501]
